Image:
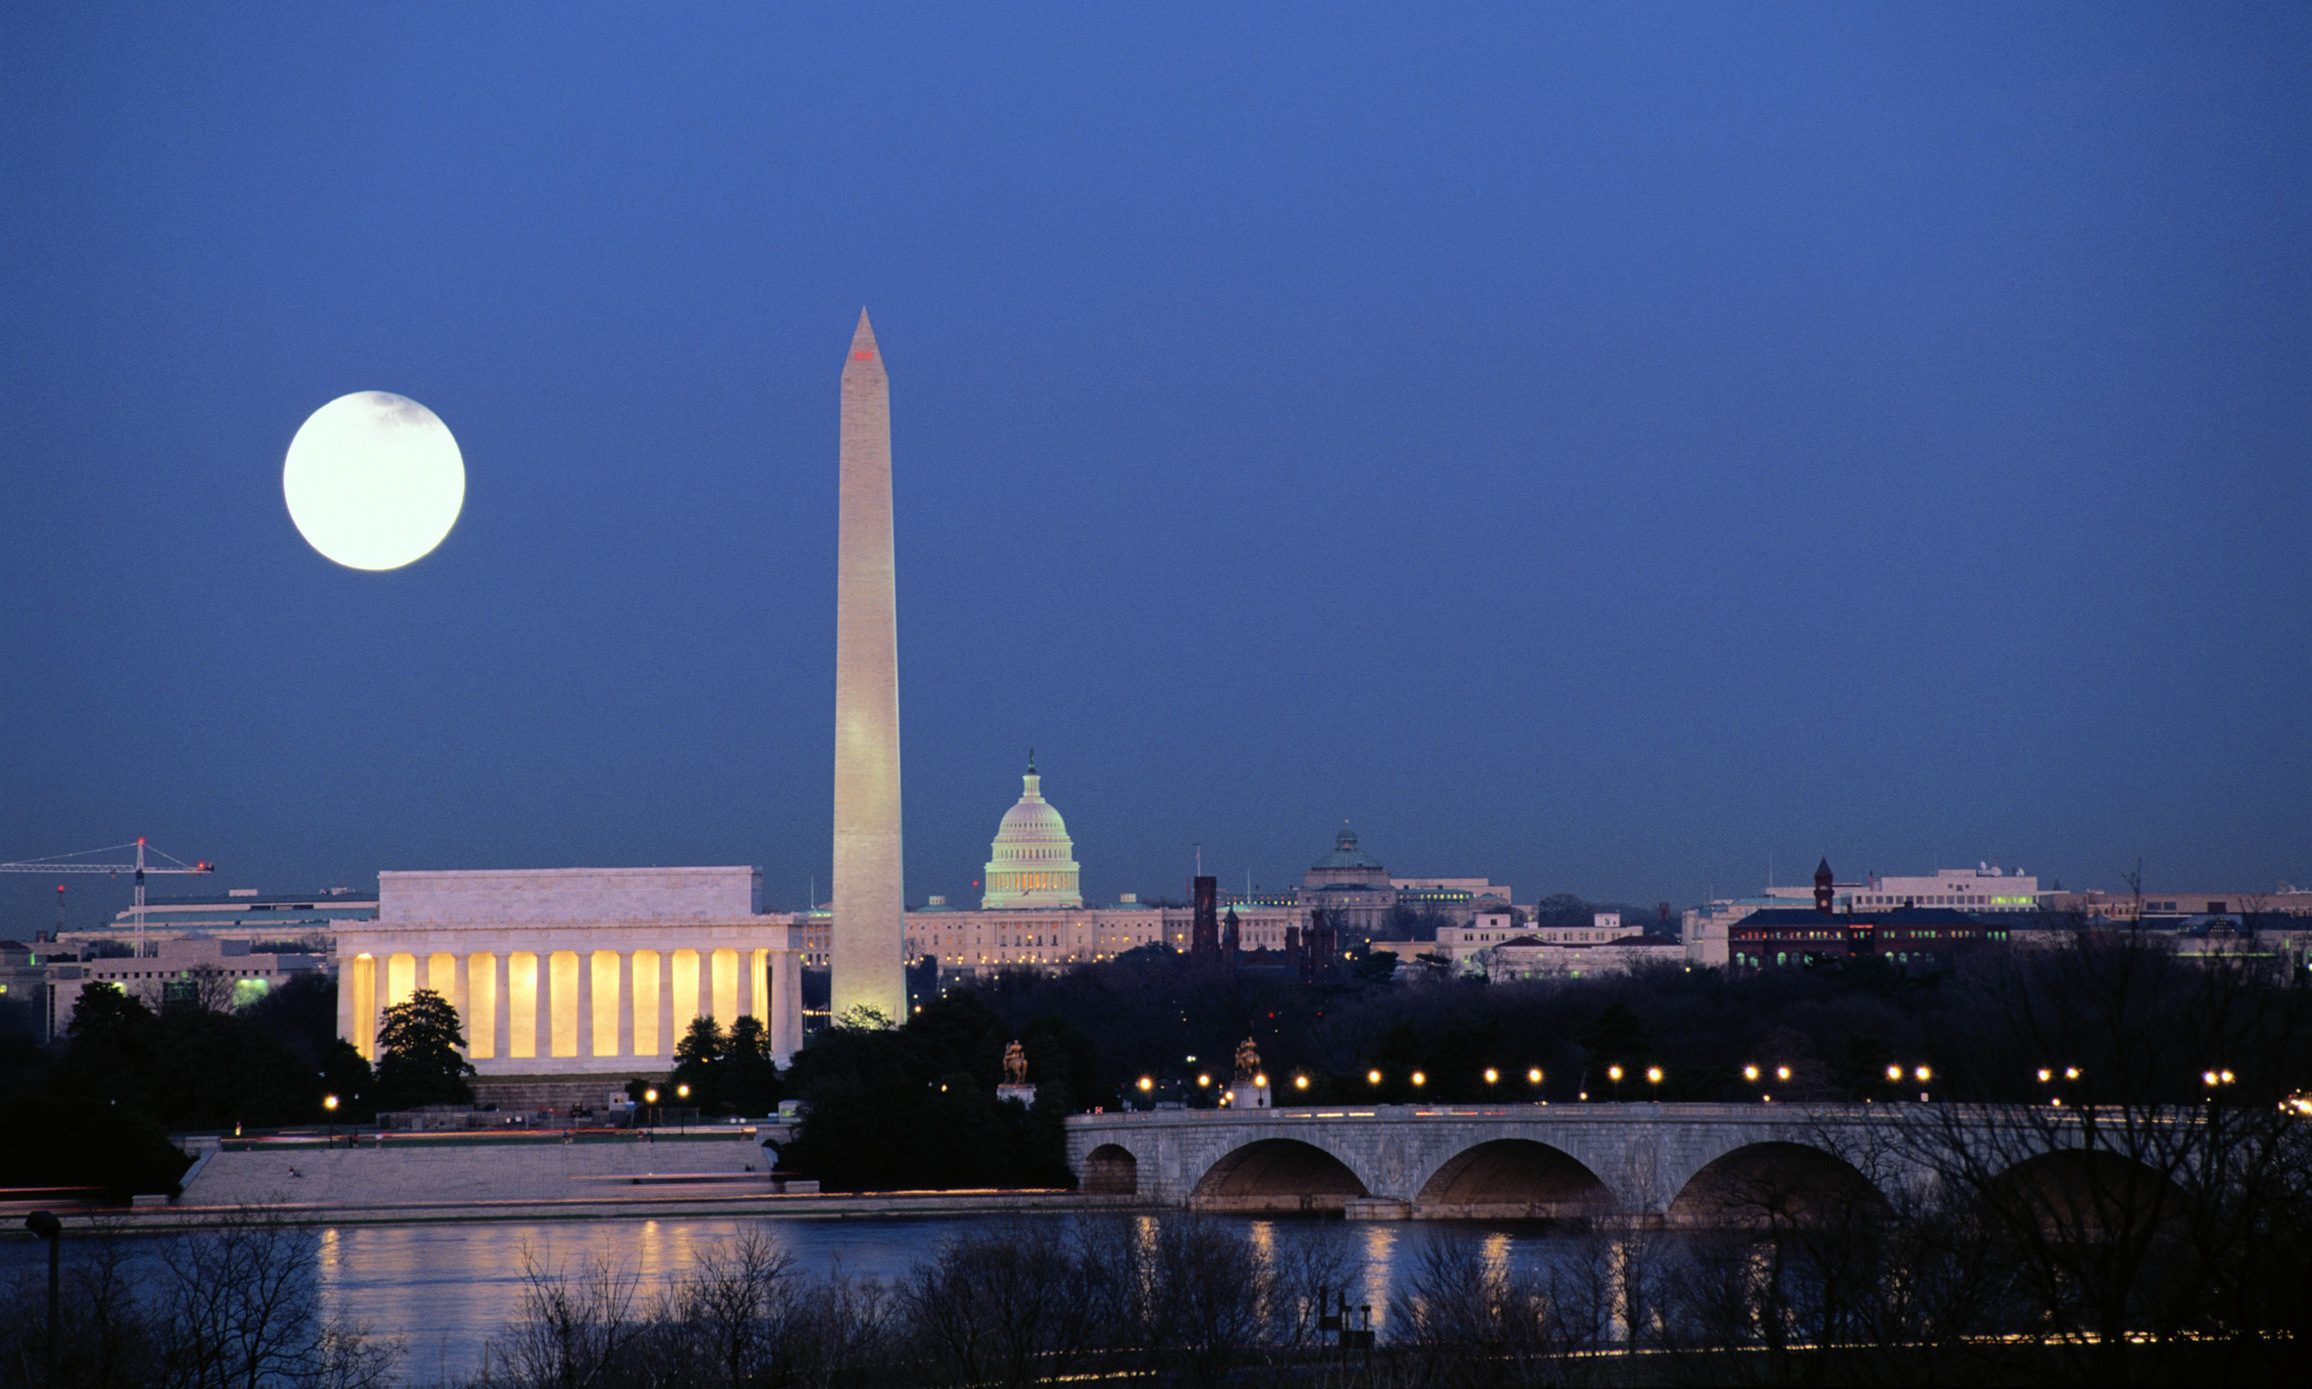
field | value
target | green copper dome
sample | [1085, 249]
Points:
[1346, 854]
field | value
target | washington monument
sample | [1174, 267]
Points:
[867, 967]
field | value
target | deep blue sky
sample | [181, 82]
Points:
[1602, 448]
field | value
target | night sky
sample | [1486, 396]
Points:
[1607, 449]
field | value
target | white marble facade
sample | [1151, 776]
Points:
[574, 971]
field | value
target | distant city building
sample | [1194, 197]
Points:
[573, 971]
[1350, 886]
[1032, 913]
[24, 978]
[1496, 945]
[1983, 888]
[2179, 910]
[1032, 863]
[1782, 937]
[1527, 957]
[1706, 931]
[241, 913]
[209, 971]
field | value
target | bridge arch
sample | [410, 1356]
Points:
[1276, 1175]
[1774, 1183]
[1111, 1170]
[2073, 1194]
[1511, 1179]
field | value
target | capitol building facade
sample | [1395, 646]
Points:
[1032, 914]
[1031, 909]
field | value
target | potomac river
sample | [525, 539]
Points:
[445, 1288]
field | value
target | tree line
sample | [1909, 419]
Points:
[1956, 1282]
[95, 1107]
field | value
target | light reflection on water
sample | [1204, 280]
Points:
[444, 1289]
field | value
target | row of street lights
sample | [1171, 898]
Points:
[681, 1092]
[1419, 1079]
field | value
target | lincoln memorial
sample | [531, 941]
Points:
[574, 971]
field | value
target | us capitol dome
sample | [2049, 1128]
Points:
[1033, 862]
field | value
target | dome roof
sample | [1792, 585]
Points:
[1032, 862]
[1033, 820]
[1346, 854]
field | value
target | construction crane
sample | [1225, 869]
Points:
[78, 863]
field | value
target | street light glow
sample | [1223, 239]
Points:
[1653, 1075]
[1420, 1078]
[1372, 1077]
[1492, 1076]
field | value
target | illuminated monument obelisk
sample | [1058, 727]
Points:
[869, 937]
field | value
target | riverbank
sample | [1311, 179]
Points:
[533, 1177]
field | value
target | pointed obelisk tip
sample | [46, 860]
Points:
[863, 340]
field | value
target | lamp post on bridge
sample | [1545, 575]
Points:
[2069, 1079]
[1756, 1075]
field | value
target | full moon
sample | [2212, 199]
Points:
[374, 480]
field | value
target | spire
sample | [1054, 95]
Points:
[863, 347]
[1031, 761]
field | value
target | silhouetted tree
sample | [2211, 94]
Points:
[698, 1063]
[423, 1059]
[749, 1080]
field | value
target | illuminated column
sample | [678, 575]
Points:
[626, 1003]
[441, 976]
[347, 1018]
[400, 978]
[501, 1008]
[603, 1013]
[649, 1003]
[869, 917]
[570, 999]
[687, 1004]
[523, 997]
[482, 999]
[726, 986]
[665, 1009]
[364, 1037]
[753, 1001]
